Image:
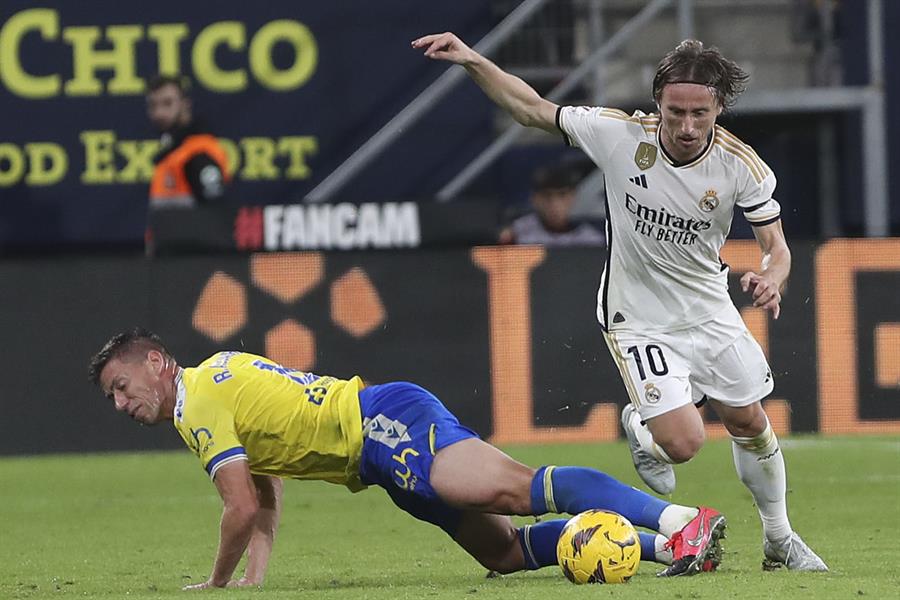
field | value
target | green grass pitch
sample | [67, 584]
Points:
[142, 525]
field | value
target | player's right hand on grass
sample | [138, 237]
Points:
[445, 46]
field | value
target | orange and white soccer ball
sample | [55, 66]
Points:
[598, 546]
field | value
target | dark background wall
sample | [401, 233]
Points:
[364, 73]
[424, 316]
[852, 29]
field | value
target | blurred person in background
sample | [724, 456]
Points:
[191, 167]
[553, 196]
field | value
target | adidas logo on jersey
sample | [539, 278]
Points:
[640, 180]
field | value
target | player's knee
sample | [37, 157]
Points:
[511, 493]
[748, 422]
[684, 448]
[503, 564]
[506, 556]
[511, 501]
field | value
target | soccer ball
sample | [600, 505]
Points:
[598, 546]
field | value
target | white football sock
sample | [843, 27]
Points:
[662, 554]
[674, 517]
[760, 466]
[645, 439]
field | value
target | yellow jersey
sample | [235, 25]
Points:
[284, 422]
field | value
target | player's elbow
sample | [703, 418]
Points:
[534, 112]
[523, 116]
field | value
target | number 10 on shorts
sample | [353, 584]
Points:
[655, 360]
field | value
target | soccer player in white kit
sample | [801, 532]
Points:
[673, 181]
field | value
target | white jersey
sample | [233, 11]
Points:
[666, 224]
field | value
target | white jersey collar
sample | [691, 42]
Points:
[668, 159]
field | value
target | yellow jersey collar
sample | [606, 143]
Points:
[180, 394]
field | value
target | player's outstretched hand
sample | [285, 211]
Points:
[764, 291]
[445, 46]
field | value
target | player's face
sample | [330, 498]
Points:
[137, 387]
[688, 113]
[554, 206]
[167, 107]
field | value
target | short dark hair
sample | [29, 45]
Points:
[179, 81]
[125, 344]
[555, 177]
[692, 62]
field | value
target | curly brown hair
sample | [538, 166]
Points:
[692, 62]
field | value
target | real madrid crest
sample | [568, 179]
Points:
[709, 201]
[652, 393]
[645, 156]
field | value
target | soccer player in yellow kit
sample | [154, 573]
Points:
[253, 422]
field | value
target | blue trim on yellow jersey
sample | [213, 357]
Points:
[212, 465]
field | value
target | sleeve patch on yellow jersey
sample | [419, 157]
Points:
[223, 458]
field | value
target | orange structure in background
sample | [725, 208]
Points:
[837, 263]
[221, 311]
[509, 271]
[743, 256]
[509, 296]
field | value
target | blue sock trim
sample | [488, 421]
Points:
[525, 542]
[539, 541]
[648, 546]
[577, 489]
[538, 498]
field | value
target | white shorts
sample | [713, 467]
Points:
[718, 359]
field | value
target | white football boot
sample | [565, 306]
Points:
[658, 475]
[793, 553]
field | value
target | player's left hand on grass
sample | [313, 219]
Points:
[242, 583]
[764, 290]
[206, 585]
[197, 586]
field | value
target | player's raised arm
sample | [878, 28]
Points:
[766, 287]
[239, 515]
[509, 92]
